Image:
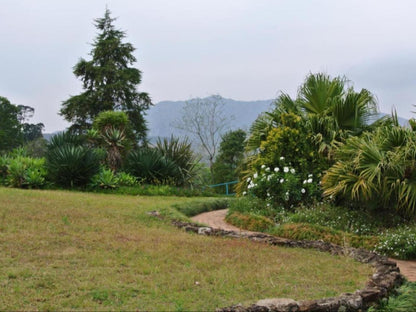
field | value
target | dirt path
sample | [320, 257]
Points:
[215, 219]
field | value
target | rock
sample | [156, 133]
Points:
[204, 230]
[279, 304]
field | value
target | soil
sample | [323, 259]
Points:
[216, 220]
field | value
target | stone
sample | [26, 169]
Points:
[204, 230]
[279, 304]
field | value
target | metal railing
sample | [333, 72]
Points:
[227, 191]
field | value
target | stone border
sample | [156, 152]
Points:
[385, 278]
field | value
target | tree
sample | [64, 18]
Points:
[109, 82]
[230, 156]
[204, 119]
[10, 127]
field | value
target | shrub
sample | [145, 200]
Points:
[283, 186]
[151, 166]
[70, 165]
[105, 179]
[125, 179]
[181, 154]
[376, 170]
[25, 172]
[399, 243]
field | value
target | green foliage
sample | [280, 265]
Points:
[230, 156]
[10, 128]
[111, 119]
[251, 222]
[376, 170]
[194, 208]
[181, 154]
[23, 172]
[109, 83]
[105, 179]
[403, 301]
[283, 186]
[70, 163]
[150, 166]
[399, 243]
[125, 179]
[307, 231]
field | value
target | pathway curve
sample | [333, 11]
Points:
[216, 220]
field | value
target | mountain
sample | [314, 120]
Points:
[161, 116]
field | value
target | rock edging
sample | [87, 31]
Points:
[385, 278]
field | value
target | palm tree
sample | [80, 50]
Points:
[377, 168]
[334, 113]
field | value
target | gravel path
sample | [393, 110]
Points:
[215, 219]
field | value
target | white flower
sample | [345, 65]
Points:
[303, 191]
[286, 169]
[248, 180]
[276, 169]
[282, 180]
[255, 175]
[268, 194]
[269, 178]
[292, 171]
[267, 169]
[310, 180]
[305, 181]
[263, 166]
[244, 193]
[310, 175]
[282, 158]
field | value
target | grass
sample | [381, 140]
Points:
[78, 251]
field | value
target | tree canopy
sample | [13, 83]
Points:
[109, 82]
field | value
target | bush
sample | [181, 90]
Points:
[105, 179]
[283, 186]
[25, 172]
[376, 171]
[70, 165]
[125, 179]
[181, 154]
[151, 166]
[399, 243]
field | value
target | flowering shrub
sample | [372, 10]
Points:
[399, 243]
[282, 186]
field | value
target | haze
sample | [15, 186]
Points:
[245, 49]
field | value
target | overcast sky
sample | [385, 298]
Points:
[240, 49]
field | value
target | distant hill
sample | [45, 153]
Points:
[161, 116]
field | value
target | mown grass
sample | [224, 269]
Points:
[78, 251]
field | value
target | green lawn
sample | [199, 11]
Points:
[77, 251]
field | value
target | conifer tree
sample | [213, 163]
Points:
[109, 82]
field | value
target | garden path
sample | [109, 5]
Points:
[216, 220]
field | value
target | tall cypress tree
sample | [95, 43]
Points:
[109, 82]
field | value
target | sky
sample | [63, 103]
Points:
[240, 49]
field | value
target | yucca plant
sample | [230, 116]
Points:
[69, 163]
[179, 152]
[151, 166]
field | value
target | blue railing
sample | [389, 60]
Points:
[226, 186]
